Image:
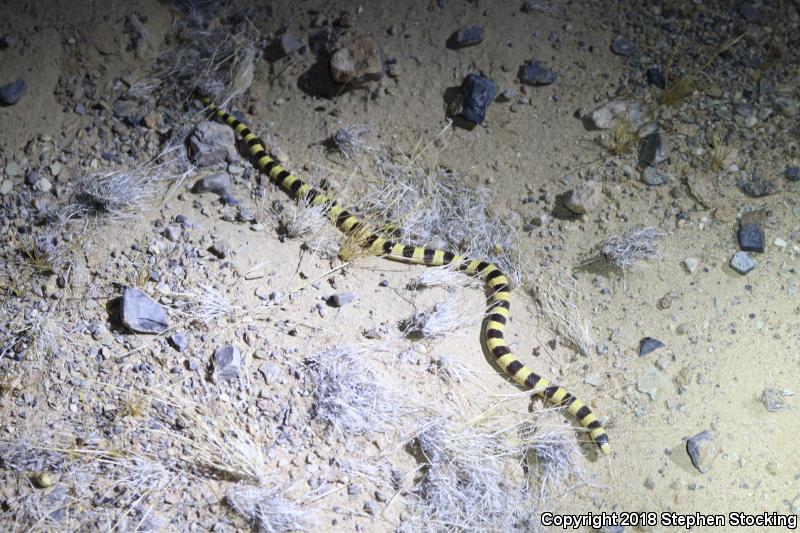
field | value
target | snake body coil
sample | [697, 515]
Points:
[497, 283]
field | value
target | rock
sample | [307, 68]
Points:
[536, 73]
[742, 263]
[469, 36]
[757, 186]
[652, 382]
[702, 450]
[655, 77]
[43, 185]
[212, 143]
[271, 372]
[792, 173]
[221, 249]
[341, 299]
[6, 187]
[584, 197]
[228, 363]
[142, 314]
[780, 243]
[751, 238]
[787, 106]
[691, 264]
[653, 149]
[179, 340]
[654, 177]
[289, 42]
[604, 116]
[622, 46]
[13, 169]
[172, 232]
[7, 41]
[218, 183]
[476, 93]
[649, 344]
[358, 62]
[11, 93]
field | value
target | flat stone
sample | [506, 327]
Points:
[173, 232]
[702, 450]
[358, 62]
[792, 173]
[691, 264]
[751, 238]
[758, 186]
[211, 143]
[271, 372]
[742, 263]
[341, 299]
[179, 340]
[622, 46]
[469, 36]
[653, 149]
[652, 382]
[218, 183]
[653, 177]
[655, 77]
[584, 197]
[477, 93]
[228, 362]
[649, 344]
[788, 107]
[142, 314]
[780, 243]
[221, 248]
[536, 72]
[289, 42]
[11, 93]
[12, 169]
[603, 117]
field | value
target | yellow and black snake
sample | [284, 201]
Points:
[497, 283]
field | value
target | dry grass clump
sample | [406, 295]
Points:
[446, 276]
[205, 304]
[625, 251]
[301, 220]
[444, 318]
[349, 141]
[267, 509]
[434, 207]
[557, 304]
[350, 398]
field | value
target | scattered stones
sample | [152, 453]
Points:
[142, 314]
[218, 183]
[742, 263]
[271, 372]
[179, 340]
[702, 450]
[787, 106]
[358, 62]
[792, 173]
[469, 36]
[649, 344]
[11, 93]
[654, 177]
[652, 382]
[655, 77]
[653, 150]
[289, 42]
[341, 299]
[477, 92]
[212, 143]
[622, 46]
[228, 362]
[221, 249]
[536, 72]
[584, 197]
[604, 116]
[758, 186]
[691, 264]
[751, 238]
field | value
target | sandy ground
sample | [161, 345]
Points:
[727, 337]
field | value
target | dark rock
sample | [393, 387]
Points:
[649, 344]
[622, 46]
[476, 93]
[289, 42]
[11, 93]
[702, 450]
[536, 73]
[212, 143]
[228, 362]
[750, 13]
[653, 149]
[656, 77]
[792, 173]
[179, 340]
[218, 183]
[358, 62]
[142, 314]
[751, 238]
[469, 36]
[341, 299]
[757, 186]
[32, 177]
[7, 41]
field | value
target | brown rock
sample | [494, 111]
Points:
[358, 62]
[584, 197]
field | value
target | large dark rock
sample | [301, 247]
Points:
[477, 92]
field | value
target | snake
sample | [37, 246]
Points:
[498, 287]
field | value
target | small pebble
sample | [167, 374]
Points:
[536, 72]
[11, 93]
[477, 92]
[341, 299]
[179, 340]
[702, 450]
[742, 263]
[751, 238]
[622, 46]
[584, 197]
[471, 35]
[653, 177]
[655, 77]
[780, 243]
[691, 264]
[792, 173]
[649, 344]
[221, 249]
[228, 362]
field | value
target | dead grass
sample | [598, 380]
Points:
[556, 302]
[267, 509]
[443, 319]
[349, 141]
[627, 250]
